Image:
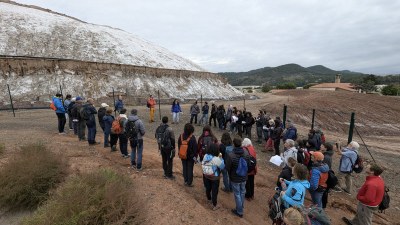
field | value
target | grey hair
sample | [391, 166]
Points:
[290, 142]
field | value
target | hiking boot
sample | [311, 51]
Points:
[134, 167]
[139, 169]
[236, 213]
[62, 133]
[216, 207]
[189, 185]
[114, 148]
[346, 192]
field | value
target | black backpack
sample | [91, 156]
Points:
[275, 211]
[332, 180]
[385, 201]
[358, 166]
[251, 162]
[84, 113]
[131, 131]
[163, 137]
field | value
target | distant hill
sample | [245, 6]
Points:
[291, 73]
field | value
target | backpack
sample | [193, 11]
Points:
[52, 106]
[332, 179]
[316, 215]
[242, 168]
[131, 131]
[116, 127]
[163, 138]
[84, 112]
[252, 162]
[70, 107]
[358, 166]
[207, 167]
[385, 201]
[275, 211]
[184, 146]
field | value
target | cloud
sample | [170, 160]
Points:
[239, 35]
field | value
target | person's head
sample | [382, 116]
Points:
[165, 119]
[206, 128]
[291, 162]
[151, 96]
[302, 143]
[246, 142]
[123, 111]
[237, 142]
[213, 149]
[374, 169]
[293, 216]
[300, 171]
[317, 157]
[188, 129]
[206, 103]
[226, 139]
[120, 97]
[353, 145]
[271, 122]
[109, 111]
[195, 102]
[58, 95]
[289, 143]
[326, 147]
[175, 101]
[79, 99]
[68, 96]
[133, 111]
[90, 101]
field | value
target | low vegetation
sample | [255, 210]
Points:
[266, 88]
[391, 90]
[26, 179]
[102, 197]
[286, 86]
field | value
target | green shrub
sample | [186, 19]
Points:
[26, 179]
[250, 91]
[307, 86]
[102, 197]
[390, 90]
[286, 86]
[266, 88]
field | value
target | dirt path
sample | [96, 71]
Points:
[161, 201]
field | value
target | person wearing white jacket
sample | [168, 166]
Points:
[290, 151]
[212, 165]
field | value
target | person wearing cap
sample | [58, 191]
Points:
[347, 160]
[151, 103]
[101, 113]
[318, 177]
[60, 112]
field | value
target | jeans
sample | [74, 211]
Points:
[70, 122]
[187, 167]
[193, 116]
[259, 134]
[175, 117]
[250, 186]
[204, 119]
[316, 197]
[123, 144]
[212, 187]
[248, 131]
[61, 122]
[167, 162]
[221, 123]
[266, 134]
[106, 138]
[137, 148]
[239, 190]
[226, 181]
[91, 134]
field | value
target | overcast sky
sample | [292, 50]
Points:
[242, 35]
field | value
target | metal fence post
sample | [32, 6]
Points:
[12, 105]
[313, 119]
[351, 128]
[284, 115]
[159, 103]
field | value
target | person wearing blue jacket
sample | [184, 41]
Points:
[214, 162]
[119, 105]
[319, 176]
[60, 112]
[290, 132]
[347, 160]
[107, 119]
[296, 189]
[175, 110]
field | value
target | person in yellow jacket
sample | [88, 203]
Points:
[151, 103]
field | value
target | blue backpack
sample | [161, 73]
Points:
[241, 170]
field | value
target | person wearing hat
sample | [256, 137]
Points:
[347, 160]
[318, 177]
[101, 113]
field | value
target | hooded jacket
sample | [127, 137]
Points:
[217, 165]
[349, 157]
[139, 125]
[295, 193]
[176, 108]
[232, 162]
[319, 176]
[59, 105]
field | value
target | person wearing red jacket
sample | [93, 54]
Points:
[369, 196]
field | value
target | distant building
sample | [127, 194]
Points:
[337, 86]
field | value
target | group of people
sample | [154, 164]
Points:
[306, 162]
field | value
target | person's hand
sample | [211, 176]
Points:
[281, 180]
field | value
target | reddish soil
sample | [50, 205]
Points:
[161, 201]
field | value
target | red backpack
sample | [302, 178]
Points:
[116, 127]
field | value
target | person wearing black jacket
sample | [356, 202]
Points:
[213, 115]
[191, 156]
[91, 122]
[249, 121]
[286, 172]
[101, 113]
[276, 136]
[238, 182]
[167, 152]
[239, 123]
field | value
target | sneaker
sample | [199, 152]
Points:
[134, 167]
[62, 133]
[71, 128]
[215, 207]
[114, 148]
[337, 189]
[189, 185]
[225, 190]
[236, 213]
[139, 169]
[347, 221]
[125, 156]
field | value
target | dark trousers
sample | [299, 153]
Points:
[75, 126]
[259, 134]
[212, 187]
[167, 162]
[193, 116]
[81, 130]
[221, 123]
[250, 187]
[325, 198]
[226, 122]
[123, 144]
[187, 167]
[248, 131]
[61, 122]
[70, 123]
[113, 139]
[276, 146]
[239, 129]
[214, 118]
[91, 134]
